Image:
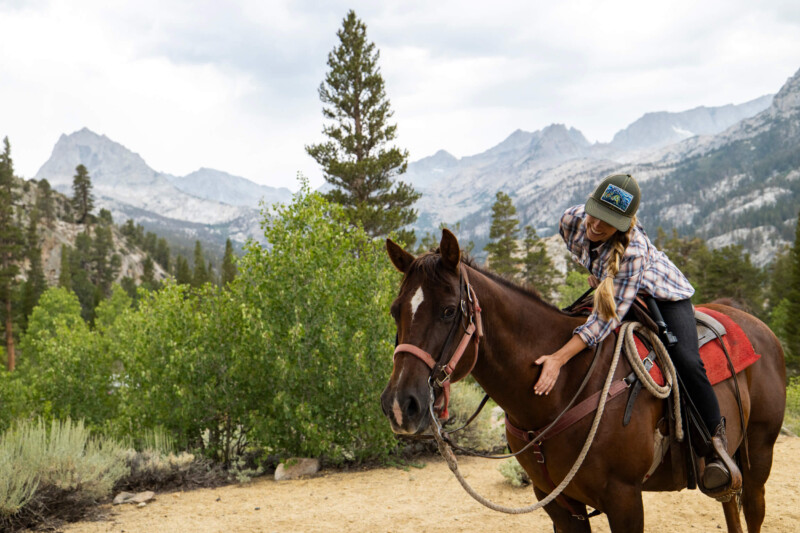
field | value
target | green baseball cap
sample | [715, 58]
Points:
[615, 201]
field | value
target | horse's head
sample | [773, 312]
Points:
[431, 313]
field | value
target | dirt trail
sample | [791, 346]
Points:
[429, 499]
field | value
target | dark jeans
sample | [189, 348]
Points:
[685, 355]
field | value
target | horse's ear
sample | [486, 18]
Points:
[401, 259]
[451, 253]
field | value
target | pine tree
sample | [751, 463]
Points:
[44, 201]
[537, 268]
[11, 250]
[148, 273]
[200, 273]
[162, 253]
[229, 270]
[183, 274]
[103, 271]
[356, 160]
[503, 235]
[105, 217]
[793, 296]
[36, 284]
[82, 270]
[82, 200]
[65, 272]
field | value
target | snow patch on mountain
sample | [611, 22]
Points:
[763, 241]
[679, 214]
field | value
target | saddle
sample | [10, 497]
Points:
[729, 355]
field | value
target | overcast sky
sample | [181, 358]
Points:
[233, 85]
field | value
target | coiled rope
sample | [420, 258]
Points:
[625, 339]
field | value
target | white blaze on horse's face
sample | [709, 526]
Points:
[416, 300]
[398, 413]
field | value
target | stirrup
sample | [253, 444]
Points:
[734, 485]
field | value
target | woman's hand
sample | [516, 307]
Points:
[551, 364]
[551, 367]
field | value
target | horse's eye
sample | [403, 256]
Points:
[448, 313]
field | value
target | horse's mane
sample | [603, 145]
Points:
[428, 263]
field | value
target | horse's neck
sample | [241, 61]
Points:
[518, 329]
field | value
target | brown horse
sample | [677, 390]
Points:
[519, 326]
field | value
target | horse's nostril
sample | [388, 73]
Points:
[412, 407]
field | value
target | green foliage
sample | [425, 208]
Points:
[723, 273]
[430, 241]
[573, 287]
[68, 369]
[513, 472]
[485, 433]
[200, 274]
[356, 160]
[183, 274]
[82, 199]
[229, 270]
[44, 200]
[36, 284]
[65, 269]
[537, 268]
[202, 378]
[503, 235]
[792, 291]
[792, 415]
[11, 250]
[730, 274]
[316, 304]
[161, 254]
[12, 396]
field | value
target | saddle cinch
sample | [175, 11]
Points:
[730, 354]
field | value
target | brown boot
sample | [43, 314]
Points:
[721, 473]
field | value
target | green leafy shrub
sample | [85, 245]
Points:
[792, 417]
[485, 433]
[67, 369]
[513, 472]
[187, 358]
[573, 287]
[317, 305]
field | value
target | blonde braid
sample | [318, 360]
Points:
[604, 294]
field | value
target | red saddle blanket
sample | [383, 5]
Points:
[736, 342]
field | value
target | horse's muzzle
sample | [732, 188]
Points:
[407, 409]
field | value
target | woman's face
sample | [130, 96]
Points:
[597, 230]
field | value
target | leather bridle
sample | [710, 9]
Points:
[442, 368]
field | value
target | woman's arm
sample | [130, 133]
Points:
[551, 364]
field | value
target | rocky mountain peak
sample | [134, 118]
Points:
[787, 101]
[556, 141]
[109, 163]
[661, 128]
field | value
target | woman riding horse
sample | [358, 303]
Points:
[604, 236]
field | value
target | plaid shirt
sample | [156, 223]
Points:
[643, 268]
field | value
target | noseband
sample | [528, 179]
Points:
[441, 371]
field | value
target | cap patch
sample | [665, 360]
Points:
[617, 197]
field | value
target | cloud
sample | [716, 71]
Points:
[233, 85]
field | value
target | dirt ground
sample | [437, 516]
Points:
[426, 499]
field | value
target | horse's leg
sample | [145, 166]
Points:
[761, 441]
[563, 521]
[731, 510]
[624, 508]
